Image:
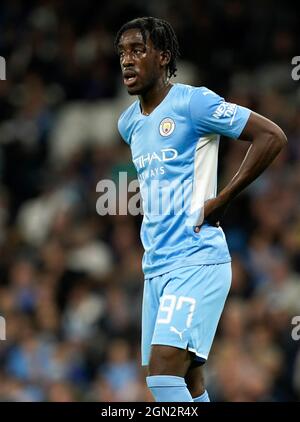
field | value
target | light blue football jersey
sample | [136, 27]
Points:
[175, 153]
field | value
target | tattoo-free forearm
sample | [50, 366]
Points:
[263, 150]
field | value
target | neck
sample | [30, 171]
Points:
[154, 96]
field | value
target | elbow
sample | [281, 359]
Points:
[277, 138]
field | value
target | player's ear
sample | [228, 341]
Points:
[165, 57]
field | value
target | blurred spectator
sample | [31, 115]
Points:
[71, 280]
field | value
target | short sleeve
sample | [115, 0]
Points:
[210, 113]
[122, 127]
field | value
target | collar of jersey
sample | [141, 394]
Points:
[158, 106]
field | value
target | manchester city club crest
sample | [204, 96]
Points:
[166, 126]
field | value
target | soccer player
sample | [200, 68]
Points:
[173, 131]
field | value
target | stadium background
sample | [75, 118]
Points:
[70, 280]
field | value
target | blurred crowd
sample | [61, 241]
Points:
[70, 279]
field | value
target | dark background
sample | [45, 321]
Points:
[71, 280]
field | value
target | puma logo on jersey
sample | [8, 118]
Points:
[180, 333]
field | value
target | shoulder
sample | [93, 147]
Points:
[126, 120]
[205, 96]
[187, 95]
[184, 92]
[127, 115]
[210, 113]
[204, 102]
[181, 97]
[187, 91]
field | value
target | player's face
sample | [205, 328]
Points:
[141, 63]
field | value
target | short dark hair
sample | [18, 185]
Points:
[161, 34]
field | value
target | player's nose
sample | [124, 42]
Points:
[127, 60]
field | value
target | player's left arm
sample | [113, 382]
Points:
[267, 140]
